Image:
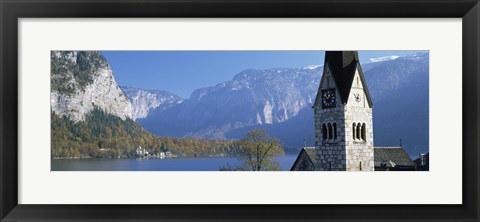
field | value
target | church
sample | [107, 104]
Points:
[343, 123]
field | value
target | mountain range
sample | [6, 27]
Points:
[280, 100]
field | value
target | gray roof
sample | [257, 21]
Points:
[311, 154]
[383, 157]
[391, 157]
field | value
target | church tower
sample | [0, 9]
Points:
[343, 116]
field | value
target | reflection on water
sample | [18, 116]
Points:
[168, 164]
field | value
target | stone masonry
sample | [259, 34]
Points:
[351, 146]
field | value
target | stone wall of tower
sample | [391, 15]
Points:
[359, 151]
[346, 152]
[331, 154]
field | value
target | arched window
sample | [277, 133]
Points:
[324, 132]
[364, 132]
[335, 131]
[330, 133]
[353, 130]
[360, 165]
[358, 131]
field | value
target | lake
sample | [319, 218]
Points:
[167, 164]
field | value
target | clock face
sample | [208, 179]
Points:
[328, 98]
[358, 97]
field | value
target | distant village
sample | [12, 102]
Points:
[143, 153]
[138, 153]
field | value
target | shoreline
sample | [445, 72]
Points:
[143, 158]
[150, 158]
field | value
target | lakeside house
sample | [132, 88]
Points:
[143, 152]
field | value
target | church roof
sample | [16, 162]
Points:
[384, 157]
[311, 154]
[391, 157]
[308, 152]
[342, 65]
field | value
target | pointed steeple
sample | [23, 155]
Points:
[341, 59]
[343, 65]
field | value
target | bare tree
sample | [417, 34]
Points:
[258, 151]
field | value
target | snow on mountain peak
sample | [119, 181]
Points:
[417, 56]
[312, 66]
[384, 58]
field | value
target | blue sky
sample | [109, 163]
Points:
[181, 72]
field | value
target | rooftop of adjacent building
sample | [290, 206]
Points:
[391, 157]
[383, 156]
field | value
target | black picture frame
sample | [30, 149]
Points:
[12, 10]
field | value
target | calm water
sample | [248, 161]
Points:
[168, 164]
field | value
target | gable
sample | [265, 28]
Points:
[359, 89]
[364, 84]
[327, 82]
[305, 160]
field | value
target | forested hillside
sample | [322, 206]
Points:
[104, 135]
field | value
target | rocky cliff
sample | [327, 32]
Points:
[83, 80]
[144, 101]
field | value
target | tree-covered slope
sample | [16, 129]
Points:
[103, 135]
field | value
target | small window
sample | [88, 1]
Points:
[364, 132]
[335, 131]
[324, 132]
[358, 131]
[353, 130]
[330, 131]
